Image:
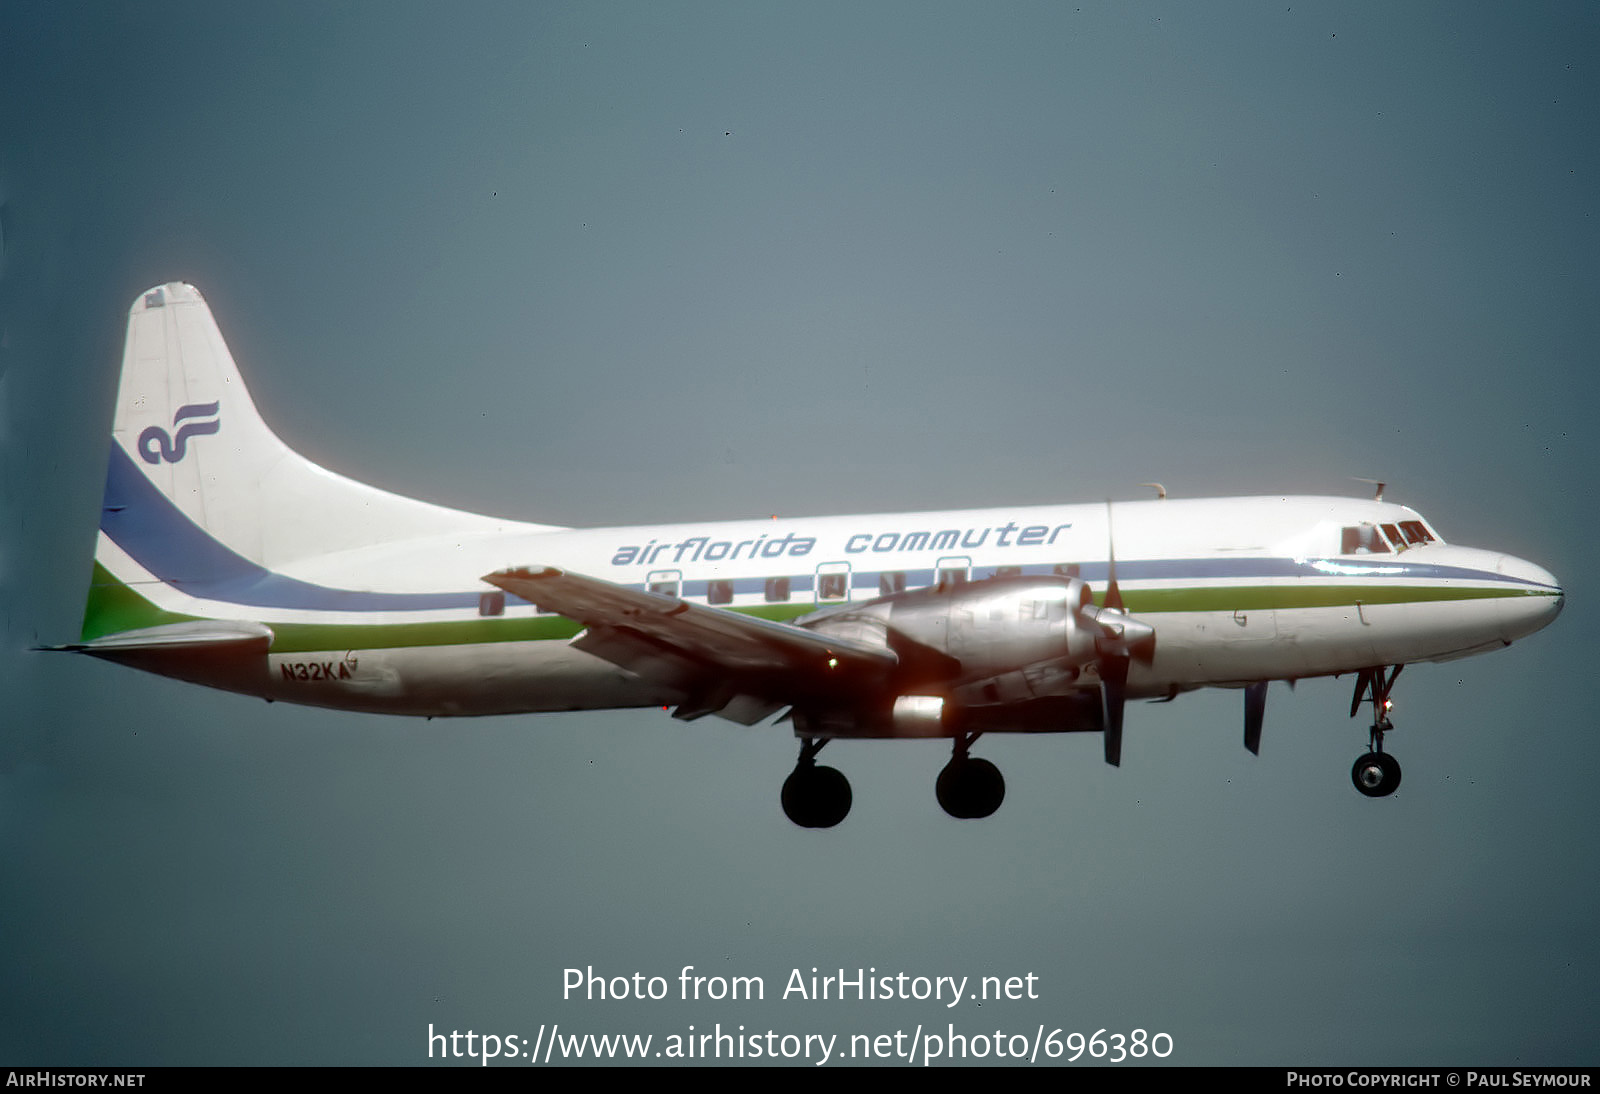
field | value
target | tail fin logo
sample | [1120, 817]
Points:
[156, 445]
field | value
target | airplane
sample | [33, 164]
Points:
[226, 559]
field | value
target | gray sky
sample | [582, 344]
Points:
[626, 263]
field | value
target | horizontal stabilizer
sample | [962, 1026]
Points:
[233, 636]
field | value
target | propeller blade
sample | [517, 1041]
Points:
[1113, 696]
[1255, 710]
[1113, 594]
[1124, 638]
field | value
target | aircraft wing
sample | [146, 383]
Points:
[737, 666]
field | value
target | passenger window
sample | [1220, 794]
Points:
[777, 590]
[891, 583]
[719, 592]
[1066, 569]
[833, 586]
[1008, 571]
[664, 582]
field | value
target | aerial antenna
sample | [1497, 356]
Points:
[1161, 491]
[1378, 494]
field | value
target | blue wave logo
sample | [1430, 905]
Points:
[155, 444]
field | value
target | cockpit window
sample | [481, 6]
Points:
[1361, 540]
[1416, 532]
[1396, 540]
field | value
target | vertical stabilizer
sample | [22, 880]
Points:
[200, 492]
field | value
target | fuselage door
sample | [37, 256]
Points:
[665, 582]
[953, 571]
[833, 583]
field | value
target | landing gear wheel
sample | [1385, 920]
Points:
[1376, 774]
[969, 789]
[816, 797]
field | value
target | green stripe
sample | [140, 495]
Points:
[1260, 598]
[114, 607]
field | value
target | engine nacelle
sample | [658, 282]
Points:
[994, 627]
[1006, 654]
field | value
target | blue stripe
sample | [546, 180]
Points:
[158, 536]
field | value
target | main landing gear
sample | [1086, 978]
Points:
[969, 789]
[1377, 773]
[813, 796]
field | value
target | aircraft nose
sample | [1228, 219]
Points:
[1541, 601]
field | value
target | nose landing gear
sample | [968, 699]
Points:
[1376, 774]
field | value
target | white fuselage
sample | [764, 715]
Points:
[1239, 589]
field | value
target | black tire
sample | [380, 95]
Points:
[1376, 774]
[970, 789]
[816, 797]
